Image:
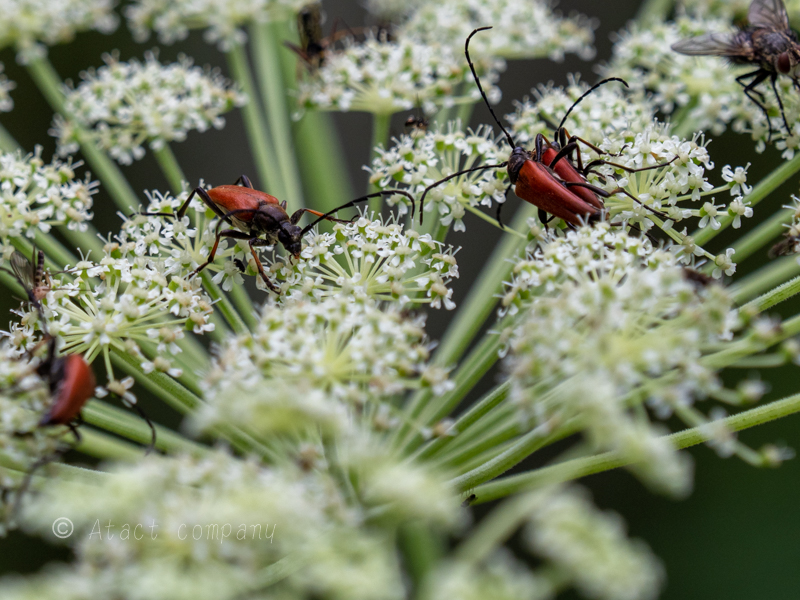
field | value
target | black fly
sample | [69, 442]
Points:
[766, 41]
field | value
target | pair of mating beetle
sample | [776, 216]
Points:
[546, 177]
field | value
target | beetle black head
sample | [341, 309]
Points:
[515, 162]
[291, 236]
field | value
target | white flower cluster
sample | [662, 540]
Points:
[35, 196]
[791, 242]
[591, 548]
[6, 85]
[219, 528]
[309, 359]
[123, 105]
[30, 25]
[613, 325]
[704, 87]
[521, 29]
[385, 77]
[371, 259]
[126, 299]
[222, 19]
[415, 162]
[732, 10]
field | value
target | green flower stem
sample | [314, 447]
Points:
[106, 447]
[131, 426]
[484, 444]
[266, 46]
[244, 305]
[464, 113]
[184, 401]
[257, 134]
[581, 467]
[7, 141]
[160, 384]
[763, 189]
[476, 309]
[325, 173]
[223, 304]
[654, 11]
[469, 373]
[54, 251]
[380, 137]
[49, 83]
[421, 549]
[492, 221]
[196, 354]
[475, 412]
[482, 298]
[170, 167]
[763, 234]
[520, 450]
[87, 241]
[189, 378]
[764, 279]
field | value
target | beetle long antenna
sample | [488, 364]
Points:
[449, 177]
[588, 92]
[308, 227]
[483, 94]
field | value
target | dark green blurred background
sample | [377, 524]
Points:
[736, 537]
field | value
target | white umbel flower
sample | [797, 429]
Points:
[36, 196]
[222, 19]
[30, 25]
[124, 105]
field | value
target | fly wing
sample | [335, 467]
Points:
[23, 270]
[768, 13]
[711, 44]
[309, 26]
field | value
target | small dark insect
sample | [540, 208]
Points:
[700, 279]
[767, 41]
[469, 500]
[254, 214]
[787, 246]
[417, 122]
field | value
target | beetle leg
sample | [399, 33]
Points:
[500, 206]
[230, 233]
[261, 242]
[245, 181]
[604, 194]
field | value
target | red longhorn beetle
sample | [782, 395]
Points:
[254, 214]
[70, 378]
[546, 177]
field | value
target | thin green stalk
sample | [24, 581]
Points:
[581, 467]
[654, 11]
[163, 386]
[244, 305]
[7, 141]
[53, 249]
[763, 189]
[326, 178]
[223, 304]
[763, 234]
[266, 46]
[87, 241]
[257, 133]
[49, 83]
[106, 447]
[170, 167]
[479, 304]
[469, 373]
[493, 439]
[767, 278]
[475, 412]
[131, 426]
[380, 137]
[465, 113]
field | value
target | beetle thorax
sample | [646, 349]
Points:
[515, 162]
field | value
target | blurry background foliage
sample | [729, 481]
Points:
[738, 534]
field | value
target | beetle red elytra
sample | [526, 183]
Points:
[254, 214]
[546, 177]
